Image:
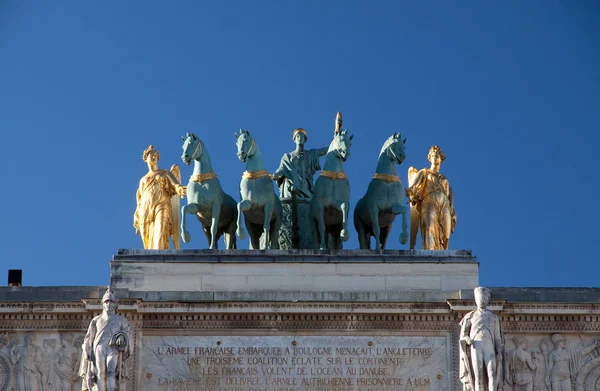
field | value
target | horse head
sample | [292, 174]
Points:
[341, 144]
[192, 148]
[245, 145]
[394, 148]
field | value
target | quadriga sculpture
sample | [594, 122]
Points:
[376, 210]
[259, 204]
[331, 201]
[216, 210]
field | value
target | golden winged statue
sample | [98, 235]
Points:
[431, 204]
[157, 214]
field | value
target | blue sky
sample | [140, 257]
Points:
[509, 90]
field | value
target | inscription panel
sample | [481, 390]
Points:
[295, 363]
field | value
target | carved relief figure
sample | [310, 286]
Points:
[66, 365]
[5, 365]
[520, 366]
[105, 347]
[26, 358]
[541, 380]
[481, 347]
[431, 204]
[565, 363]
[46, 366]
[297, 168]
[157, 214]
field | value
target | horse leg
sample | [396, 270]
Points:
[401, 209]
[214, 226]
[374, 215]
[230, 239]
[241, 206]
[319, 215]
[315, 233]
[363, 237]
[191, 209]
[267, 225]
[255, 232]
[206, 230]
[385, 231]
[275, 233]
[344, 208]
[335, 239]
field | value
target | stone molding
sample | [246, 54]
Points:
[273, 256]
[174, 307]
[536, 320]
[24, 307]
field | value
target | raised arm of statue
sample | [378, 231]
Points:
[322, 151]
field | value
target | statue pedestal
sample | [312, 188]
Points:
[432, 274]
[306, 227]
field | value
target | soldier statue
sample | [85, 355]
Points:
[481, 347]
[105, 347]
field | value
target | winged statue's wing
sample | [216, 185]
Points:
[175, 209]
[414, 210]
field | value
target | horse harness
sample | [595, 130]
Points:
[386, 177]
[333, 175]
[250, 149]
[195, 150]
[389, 148]
[203, 177]
[255, 174]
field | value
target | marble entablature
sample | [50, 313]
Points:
[51, 325]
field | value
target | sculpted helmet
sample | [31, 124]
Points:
[109, 295]
[300, 130]
[556, 338]
[519, 340]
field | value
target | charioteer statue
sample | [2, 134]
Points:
[297, 168]
[294, 177]
[106, 346]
